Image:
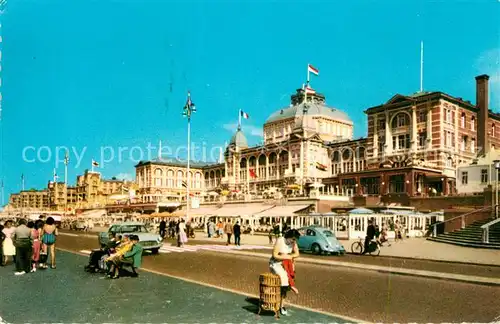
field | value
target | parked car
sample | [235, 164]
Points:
[77, 226]
[149, 241]
[319, 240]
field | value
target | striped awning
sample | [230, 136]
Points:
[284, 211]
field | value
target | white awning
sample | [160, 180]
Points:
[241, 210]
[283, 211]
[203, 211]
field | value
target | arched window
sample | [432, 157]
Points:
[400, 120]
[158, 176]
[170, 178]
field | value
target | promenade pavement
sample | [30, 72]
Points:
[412, 248]
[70, 295]
[373, 296]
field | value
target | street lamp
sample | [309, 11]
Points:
[497, 167]
[188, 110]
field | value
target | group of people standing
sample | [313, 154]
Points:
[28, 244]
[229, 229]
[176, 229]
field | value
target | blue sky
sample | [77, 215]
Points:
[92, 74]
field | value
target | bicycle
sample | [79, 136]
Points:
[359, 246]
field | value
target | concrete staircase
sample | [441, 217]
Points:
[471, 236]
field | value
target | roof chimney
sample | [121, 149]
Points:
[482, 103]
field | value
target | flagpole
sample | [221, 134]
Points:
[422, 66]
[92, 169]
[189, 108]
[308, 74]
[66, 161]
[239, 119]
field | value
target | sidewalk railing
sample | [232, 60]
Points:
[460, 222]
[486, 230]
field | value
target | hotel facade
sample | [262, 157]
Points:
[414, 146]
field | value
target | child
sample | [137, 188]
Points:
[289, 266]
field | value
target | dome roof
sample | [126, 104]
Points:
[315, 109]
[239, 140]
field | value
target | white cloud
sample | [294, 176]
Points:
[125, 176]
[489, 63]
[247, 129]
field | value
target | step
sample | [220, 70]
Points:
[466, 244]
[467, 239]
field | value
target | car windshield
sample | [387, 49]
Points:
[133, 229]
[328, 233]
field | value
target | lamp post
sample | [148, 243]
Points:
[188, 110]
[497, 168]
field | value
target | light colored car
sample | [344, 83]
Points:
[149, 241]
[319, 240]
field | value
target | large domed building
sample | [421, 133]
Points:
[295, 151]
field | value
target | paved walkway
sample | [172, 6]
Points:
[418, 248]
[414, 248]
[69, 295]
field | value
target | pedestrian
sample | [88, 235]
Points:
[237, 233]
[22, 242]
[285, 248]
[49, 236]
[228, 229]
[163, 226]
[2, 238]
[36, 231]
[9, 250]
[181, 236]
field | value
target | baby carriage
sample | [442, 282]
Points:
[97, 261]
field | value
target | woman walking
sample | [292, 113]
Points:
[285, 248]
[49, 235]
[9, 250]
[182, 237]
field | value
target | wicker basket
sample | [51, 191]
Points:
[270, 293]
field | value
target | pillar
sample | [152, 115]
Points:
[388, 135]
[267, 167]
[414, 134]
[375, 136]
[429, 125]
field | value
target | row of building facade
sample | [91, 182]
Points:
[416, 145]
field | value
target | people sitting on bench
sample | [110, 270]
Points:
[132, 258]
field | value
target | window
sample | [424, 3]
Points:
[484, 175]
[381, 124]
[492, 130]
[381, 144]
[400, 120]
[473, 123]
[397, 183]
[422, 116]
[448, 115]
[422, 138]
[465, 177]
[464, 143]
[310, 232]
[473, 145]
[370, 186]
[462, 120]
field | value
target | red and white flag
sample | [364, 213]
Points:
[310, 90]
[312, 69]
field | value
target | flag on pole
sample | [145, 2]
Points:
[252, 173]
[94, 163]
[55, 175]
[244, 114]
[184, 184]
[312, 69]
[66, 158]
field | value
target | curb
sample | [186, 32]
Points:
[400, 271]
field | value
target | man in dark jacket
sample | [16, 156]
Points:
[370, 234]
[237, 233]
[163, 227]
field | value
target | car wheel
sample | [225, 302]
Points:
[155, 251]
[316, 249]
